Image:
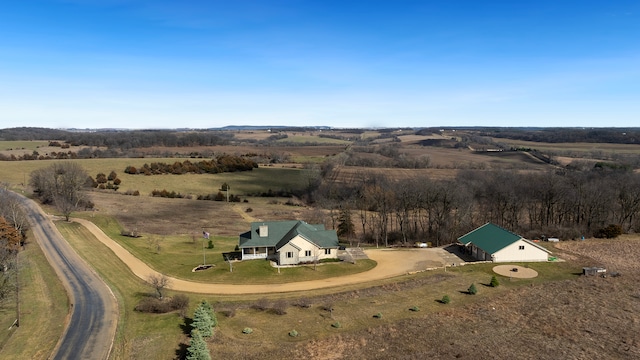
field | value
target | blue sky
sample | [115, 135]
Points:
[199, 64]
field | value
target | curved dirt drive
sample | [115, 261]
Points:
[390, 263]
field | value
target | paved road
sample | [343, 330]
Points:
[94, 309]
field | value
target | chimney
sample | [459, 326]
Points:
[263, 231]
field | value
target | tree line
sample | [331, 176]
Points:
[222, 163]
[567, 135]
[566, 204]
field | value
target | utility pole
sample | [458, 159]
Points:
[17, 291]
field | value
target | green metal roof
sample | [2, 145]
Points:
[281, 232]
[490, 238]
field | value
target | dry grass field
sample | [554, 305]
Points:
[579, 318]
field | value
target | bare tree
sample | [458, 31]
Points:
[159, 283]
[60, 184]
[154, 243]
[10, 240]
[230, 262]
[11, 209]
[316, 257]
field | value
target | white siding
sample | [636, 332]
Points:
[305, 246]
[514, 253]
[288, 248]
[300, 256]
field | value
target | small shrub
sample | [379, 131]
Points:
[303, 302]
[279, 307]
[210, 244]
[261, 304]
[378, 316]
[249, 210]
[414, 308]
[472, 289]
[610, 232]
[162, 306]
[293, 333]
[494, 281]
[229, 310]
[247, 330]
[336, 325]
[445, 299]
[180, 302]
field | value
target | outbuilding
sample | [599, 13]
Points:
[491, 242]
[594, 271]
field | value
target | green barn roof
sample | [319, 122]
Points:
[490, 238]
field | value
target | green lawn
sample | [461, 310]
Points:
[178, 255]
[44, 307]
[22, 144]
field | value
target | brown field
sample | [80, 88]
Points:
[319, 150]
[412, 139]
[579, 146]
[165, 216]
[349, 174]
[583, 318]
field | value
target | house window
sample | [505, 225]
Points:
[289, 254]
[327, 251]
[307, 253]
[521, 247]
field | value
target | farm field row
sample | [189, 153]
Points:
[575, 147]
[246, 182]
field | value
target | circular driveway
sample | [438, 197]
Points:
[390, 263]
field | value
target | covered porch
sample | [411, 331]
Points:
[261, 252]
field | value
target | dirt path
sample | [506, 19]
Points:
[244, 214]
[391, 263]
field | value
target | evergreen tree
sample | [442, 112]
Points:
[197, 349]
[205, 304]
[345, 224]
[472, 289]
[202, 321]
[494, 281]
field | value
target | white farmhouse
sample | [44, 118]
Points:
[288, 242]
[490, 242]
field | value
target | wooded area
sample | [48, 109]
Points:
[566, 204]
